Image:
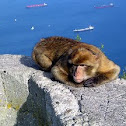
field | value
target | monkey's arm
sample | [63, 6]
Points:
[102, 77]
[61, 74]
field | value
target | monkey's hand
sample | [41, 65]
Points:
[97, 80]
[91, 82]
[102, 78]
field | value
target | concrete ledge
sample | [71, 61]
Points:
[28, 97]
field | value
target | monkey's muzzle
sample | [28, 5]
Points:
[77, 80]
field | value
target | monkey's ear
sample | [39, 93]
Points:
[97, 55]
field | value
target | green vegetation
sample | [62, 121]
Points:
[101, 47]
[123, 74]
[78, 38]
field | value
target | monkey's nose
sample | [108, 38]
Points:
[77, 74]
[77, 79]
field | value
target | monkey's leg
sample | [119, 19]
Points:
[61, 75]
[102, 78]
[44, 62]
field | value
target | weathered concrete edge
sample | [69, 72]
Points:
[63, 102]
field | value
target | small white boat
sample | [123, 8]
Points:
[84, 29]
[32, 28]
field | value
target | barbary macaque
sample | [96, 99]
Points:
[74, 63]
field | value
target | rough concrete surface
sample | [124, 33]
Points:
[28, 97]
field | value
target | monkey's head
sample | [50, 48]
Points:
[83, 64]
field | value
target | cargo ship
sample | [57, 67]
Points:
[36, 5]
[84, 29]
[104, 6]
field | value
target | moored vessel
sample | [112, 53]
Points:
[84, 29]
[104, 6]
[37, 5]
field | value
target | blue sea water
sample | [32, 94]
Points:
[59, 18]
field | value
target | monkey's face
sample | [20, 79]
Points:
[83, 65]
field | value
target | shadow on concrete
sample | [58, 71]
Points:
[27, 61]
[34, 111]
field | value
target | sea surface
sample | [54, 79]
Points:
[21, 28]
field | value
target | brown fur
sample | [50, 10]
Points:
[74, 63]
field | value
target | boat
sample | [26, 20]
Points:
[84, 29]
[37, 5]
[32, 28]
[104, 6]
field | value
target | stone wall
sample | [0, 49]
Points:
[28, 97]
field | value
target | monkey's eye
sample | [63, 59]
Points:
[82, 65]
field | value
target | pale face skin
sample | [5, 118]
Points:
[79, 73]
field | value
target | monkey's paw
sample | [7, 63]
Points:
[91, 82]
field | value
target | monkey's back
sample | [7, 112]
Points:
[58, 44]
[54, 47]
